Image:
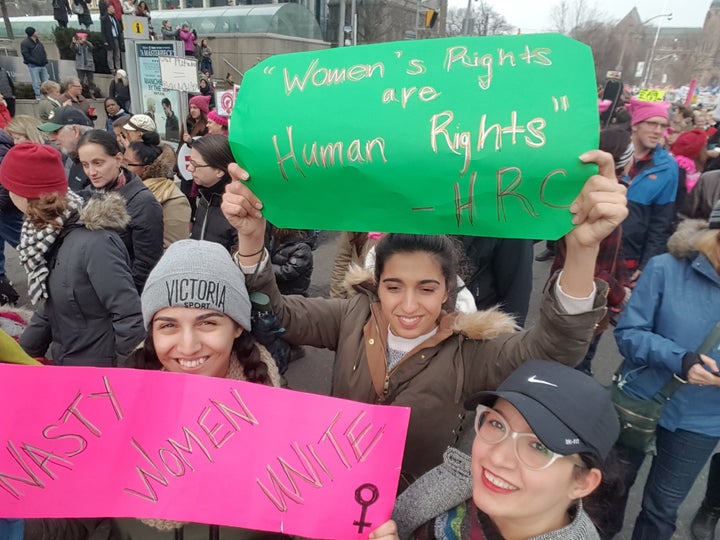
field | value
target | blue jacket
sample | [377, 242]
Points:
[651, 206]
[675, 304]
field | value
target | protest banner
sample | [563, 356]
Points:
[464, 135]
[179, 73]
[651, 94]
[225, 100]
[148, 444]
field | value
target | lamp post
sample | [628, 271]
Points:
[625, 36]
[466, 20]
[648, 71]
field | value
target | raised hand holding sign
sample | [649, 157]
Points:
[464, 135]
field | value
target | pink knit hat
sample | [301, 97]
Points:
[201, 102]
[642, 110]
[220, 120]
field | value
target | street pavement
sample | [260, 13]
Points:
[313, 372]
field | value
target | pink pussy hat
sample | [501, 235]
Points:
[642, 110]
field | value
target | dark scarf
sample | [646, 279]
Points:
[118, 183]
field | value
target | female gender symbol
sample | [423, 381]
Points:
[361, 524]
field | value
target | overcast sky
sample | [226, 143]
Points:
[534, 15]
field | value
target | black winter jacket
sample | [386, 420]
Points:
[33, 52]
[501, 273]
[92, 316]
[292, 262]
[119, 91]
[7, 85]
[77, 179]
[106, 29]
[143, 237]
[210, 223]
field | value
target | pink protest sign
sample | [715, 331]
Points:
[131, 443]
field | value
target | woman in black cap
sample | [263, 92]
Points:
[541, 446]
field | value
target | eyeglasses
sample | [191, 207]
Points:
[197, 165]
[134, 165]
[656, 125]
[492, 428]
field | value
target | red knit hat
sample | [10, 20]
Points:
[689, 143]
[31, 169]
[201, 102]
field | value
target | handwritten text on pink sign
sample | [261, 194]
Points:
[131, 443]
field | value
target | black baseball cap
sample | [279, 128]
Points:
[569, 411]
[65, 116]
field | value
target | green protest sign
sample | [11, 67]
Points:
[475, 136]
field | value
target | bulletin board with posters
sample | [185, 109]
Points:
[146, 88]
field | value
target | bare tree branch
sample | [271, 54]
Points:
[568, 15]
[485, 21]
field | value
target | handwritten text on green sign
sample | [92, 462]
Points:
[464, 135]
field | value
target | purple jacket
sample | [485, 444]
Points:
[189, 38]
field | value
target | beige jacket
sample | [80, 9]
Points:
[175, 206]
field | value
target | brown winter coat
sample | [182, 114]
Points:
[469, 353]
[175, 206]
[352, 247]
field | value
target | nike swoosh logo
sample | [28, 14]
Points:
[534, 379]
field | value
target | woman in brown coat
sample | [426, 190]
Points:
[395, 342]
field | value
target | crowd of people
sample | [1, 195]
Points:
[102, 218]
[113, 44]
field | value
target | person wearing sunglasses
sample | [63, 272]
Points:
[540, 467]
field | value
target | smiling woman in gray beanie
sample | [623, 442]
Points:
[196, 310]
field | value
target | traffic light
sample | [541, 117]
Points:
[431, 16]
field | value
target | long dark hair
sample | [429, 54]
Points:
[599, 504]
[146, 152]
[615, 141]
[244, 347]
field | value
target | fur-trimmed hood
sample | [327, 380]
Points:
[163, 165]
[483, 324]
[683, 243]
[106, 211]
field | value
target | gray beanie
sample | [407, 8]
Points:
[197, 274]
